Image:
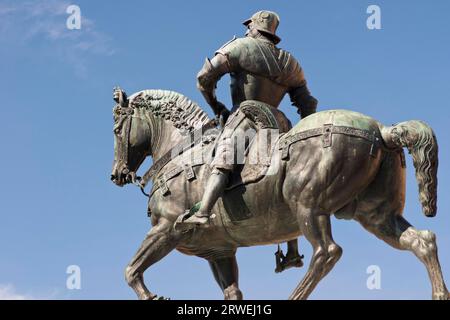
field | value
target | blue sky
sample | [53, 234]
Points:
[58, 207]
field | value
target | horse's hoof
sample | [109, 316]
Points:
[148, 297]
[441, 296]
[154, 297]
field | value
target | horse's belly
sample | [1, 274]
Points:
[255, 214]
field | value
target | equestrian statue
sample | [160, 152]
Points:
[248, 177]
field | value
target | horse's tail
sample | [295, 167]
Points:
[421, 143]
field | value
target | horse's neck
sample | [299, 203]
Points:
[166, 137]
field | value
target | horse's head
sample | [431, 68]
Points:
[149, 123]
[131, 140]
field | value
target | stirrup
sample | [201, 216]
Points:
[182, 225]
[196, 220]
[179, 224]
[282, 263]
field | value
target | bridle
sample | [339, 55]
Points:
[122, 149]
[124, 122]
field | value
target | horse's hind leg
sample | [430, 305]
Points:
[317, 230]
[226, 273]
[397, 232]
[157, 244]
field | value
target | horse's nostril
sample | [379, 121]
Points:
[113, 177]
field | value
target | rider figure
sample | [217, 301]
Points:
[259, 71]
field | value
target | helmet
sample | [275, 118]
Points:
[266, 22]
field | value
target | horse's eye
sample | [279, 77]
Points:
[117, 130]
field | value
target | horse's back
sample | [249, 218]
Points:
[338, 117]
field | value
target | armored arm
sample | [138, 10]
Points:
[301, 98]
[208, 77]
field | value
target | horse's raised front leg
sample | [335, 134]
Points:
[317, 230]
[161, 240]
[400, 234]
[226, 273]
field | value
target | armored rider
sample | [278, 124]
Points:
[259, 71]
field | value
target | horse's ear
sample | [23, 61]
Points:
[120, 97]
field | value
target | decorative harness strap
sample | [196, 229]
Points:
[327, 131]
[194, 138]
[161, 181]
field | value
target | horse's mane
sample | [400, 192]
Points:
[170, 105]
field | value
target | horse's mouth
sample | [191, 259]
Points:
[118, 180]
[120, 177]
[123, 178]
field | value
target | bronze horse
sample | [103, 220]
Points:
[332, 162]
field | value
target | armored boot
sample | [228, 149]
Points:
[214, 188]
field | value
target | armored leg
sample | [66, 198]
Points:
[223, 163]
[214, 189]
[293, 258]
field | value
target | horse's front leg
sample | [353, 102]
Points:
[161, 240]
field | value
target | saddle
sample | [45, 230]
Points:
[270, 124]
[256, 162]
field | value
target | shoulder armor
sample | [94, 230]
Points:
[227, 43]
[262, 59]
[232, 47]
[233, 50]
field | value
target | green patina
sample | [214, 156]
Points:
[338, 118]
